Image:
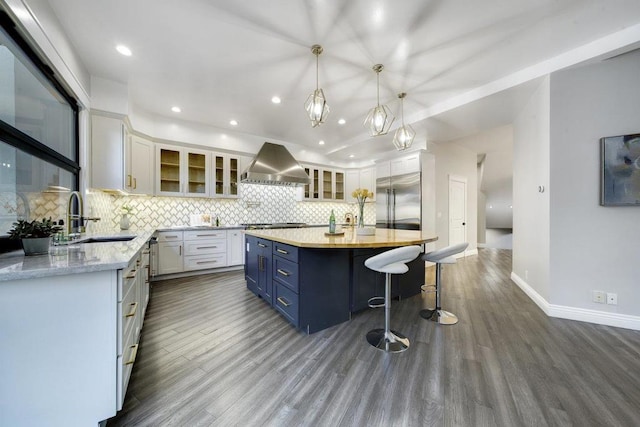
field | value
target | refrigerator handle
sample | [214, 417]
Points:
[394, 208]
[388, 191]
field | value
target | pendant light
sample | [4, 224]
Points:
[316, 104]
[404, 135]
[379, 119]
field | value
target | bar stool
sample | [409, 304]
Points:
[390, 262]
[441, 256]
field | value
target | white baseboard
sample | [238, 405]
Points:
[482, 245]
[575, 313]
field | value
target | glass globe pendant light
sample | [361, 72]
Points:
[379, 119]
[316, 104]
[404, 135]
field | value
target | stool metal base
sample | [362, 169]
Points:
[439, 316]
[392, 342]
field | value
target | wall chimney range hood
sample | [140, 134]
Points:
[274, 165]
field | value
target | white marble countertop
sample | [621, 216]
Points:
[200, 227]
[73, 258]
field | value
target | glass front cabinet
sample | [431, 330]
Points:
[226, 175]
[324, 184]
[181, 172]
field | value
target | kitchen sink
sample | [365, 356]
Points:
[108, 239]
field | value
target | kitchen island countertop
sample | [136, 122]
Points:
[314, 237]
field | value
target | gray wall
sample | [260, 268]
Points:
[530, 207]
[592, 247]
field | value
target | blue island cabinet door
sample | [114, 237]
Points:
[251, 269]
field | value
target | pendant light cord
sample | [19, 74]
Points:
[378, 86]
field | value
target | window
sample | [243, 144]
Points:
[38, 136]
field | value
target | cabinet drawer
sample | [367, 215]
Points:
[204, 246]
[128, 314]
[285, 251]
[170, 236]
[124, 367]
[286, 272]
[204, 262]
[286, 302]
[205, 234]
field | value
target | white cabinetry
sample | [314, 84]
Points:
[325, 184]
[138, 165]
[182, 171]
[226, 175]
[205, 249]
[112, 151]
[359, 178]
[235, 247]
[170, 252]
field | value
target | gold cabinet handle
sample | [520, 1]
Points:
[128, 180]
[283, 302]
[206, 262]
[145, 252]
[284, 273]
[261, 245]
[170, 237]
[282, 251]
[134, 353]
[135, 183]
[134, 306]
[131, 275]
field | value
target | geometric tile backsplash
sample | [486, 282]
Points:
[256, 203]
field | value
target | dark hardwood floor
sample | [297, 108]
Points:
[212, 353]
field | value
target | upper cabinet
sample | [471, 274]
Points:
[226, 175]
[138, 169]
[324, 184]
[112, 151]
[182, 171]
[359, 178]
[399, 166]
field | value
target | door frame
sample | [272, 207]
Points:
[462, 179]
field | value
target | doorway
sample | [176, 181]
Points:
[457, 209]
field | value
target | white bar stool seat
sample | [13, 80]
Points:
[390, 262]
[439, 257]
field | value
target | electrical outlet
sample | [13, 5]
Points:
[599, 296]
[612, 298]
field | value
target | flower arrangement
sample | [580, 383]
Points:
[126, 209]
[361, 194]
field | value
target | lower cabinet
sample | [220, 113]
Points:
[258, 268]
[191, 250]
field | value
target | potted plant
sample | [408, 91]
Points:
[35, 235]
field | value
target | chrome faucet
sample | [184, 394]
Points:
[76, 217]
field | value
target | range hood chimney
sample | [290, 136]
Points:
[274, 165]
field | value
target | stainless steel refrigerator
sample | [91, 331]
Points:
[398, 201]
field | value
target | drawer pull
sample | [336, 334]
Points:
[131, 275]
[282, 251]
[261, 245]
[134, 306]
[207, 235]
[206, 247]
[146, 252]
[170, 237]
[134, 353]
[284, 273]
[283, 302]
[206, 262]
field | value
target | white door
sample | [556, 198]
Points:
[457, 209]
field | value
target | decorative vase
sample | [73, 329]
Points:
[361, 216]
[36, 245]
[124, 222]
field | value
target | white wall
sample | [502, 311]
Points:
[592, 247]
[530, 207]
[451, 159]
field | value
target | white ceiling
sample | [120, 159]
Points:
[220, 60]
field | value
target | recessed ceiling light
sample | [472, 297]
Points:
[123, 50]
[321, 142]
[176, 109]
[351, 156]
[342, 121]
[276, 100]
[233, 123]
